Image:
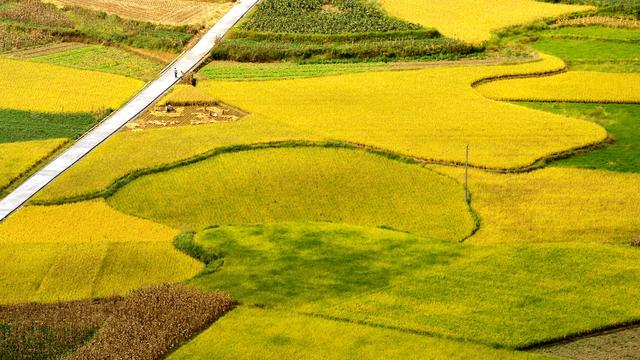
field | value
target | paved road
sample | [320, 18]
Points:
[129, 111]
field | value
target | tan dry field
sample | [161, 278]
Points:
[168, 12]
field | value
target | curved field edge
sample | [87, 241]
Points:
[135, 174]
[572, 86]
[311, 183]
[243, 261]
[553, 205]
[82, 180]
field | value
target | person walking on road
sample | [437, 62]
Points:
[175, 72]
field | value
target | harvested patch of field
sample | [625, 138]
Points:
[147, 324]
[160, 117]
[406, 112]
[301, 184]
[554, 205]
[474, 20]
[185, 105]
[169, 12]
[572, 86]
[249, 333]
[84, 250]
[616, 344]
[18, 158]
[419, 285]
[60, 89]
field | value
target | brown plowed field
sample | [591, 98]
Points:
[169, 12]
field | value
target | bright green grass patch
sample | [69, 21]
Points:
[592, 50]
[250, 333]
[509, 295]
[301, 184]
[106, 59]
[594, 32]
[16, 125]
[309, 262]
[621, 121]
[226, 70]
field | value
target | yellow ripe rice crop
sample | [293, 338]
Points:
[573, 86]
[128, 151]
[250, 333]
[554, 204]
[84, 250]
[17, 158]
[49, 88]
[428, 113]
[474, 20]
[399, 111]
[90, 221]
[301, 185]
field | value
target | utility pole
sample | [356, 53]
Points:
[466, 176]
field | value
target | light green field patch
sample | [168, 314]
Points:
[250, 333]
[505, 296]
[301, 184]
[105, 59]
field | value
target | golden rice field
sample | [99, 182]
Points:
[554, 205]
[300, 185]
[18, 158]
[61, 89]
[84, 250]
[128, 151]
[429, 113]
[248, 333]
[474, 20]
[572, 86]
[399, 111]
[169, 12]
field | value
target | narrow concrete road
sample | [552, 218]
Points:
[128, 112]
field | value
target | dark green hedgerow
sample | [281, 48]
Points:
[342, 49]
[186, 243]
